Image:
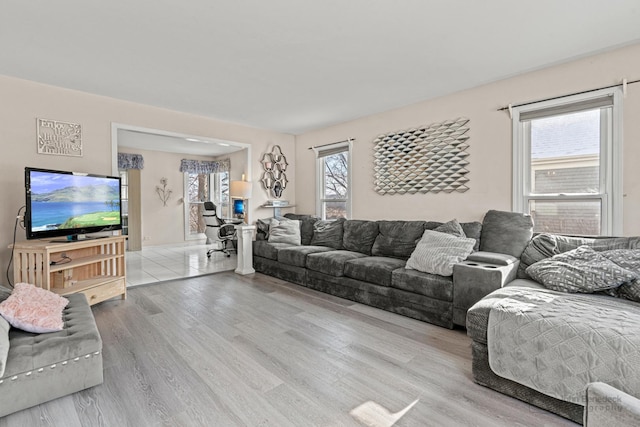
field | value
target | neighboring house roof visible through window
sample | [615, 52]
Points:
[580, 133]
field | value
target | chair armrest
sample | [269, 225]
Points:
[227, 230]
[608, 406]
[473, 280]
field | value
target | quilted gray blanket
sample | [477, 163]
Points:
[557, 343]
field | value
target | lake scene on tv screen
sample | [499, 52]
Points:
[64, 201]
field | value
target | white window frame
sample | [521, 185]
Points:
[187, 203]
[320, 181]
[611, 161]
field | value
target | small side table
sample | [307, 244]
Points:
[245, 249]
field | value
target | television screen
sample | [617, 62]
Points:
[66, 203]
[238, 207]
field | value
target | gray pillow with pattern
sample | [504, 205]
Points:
[579, 270]
[283, 230]
[438, 252]
[452, 227]
[628, 259]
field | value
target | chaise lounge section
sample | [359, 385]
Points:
[562, 341]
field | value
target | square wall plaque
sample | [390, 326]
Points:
[59, 138]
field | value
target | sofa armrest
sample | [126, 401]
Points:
[492, 258]
[473, 280]
[608, 406]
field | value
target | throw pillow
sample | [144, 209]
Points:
[306, 226]
[579, 270]
[436, 253]
[262, 228]
[284, 230]
[452, 227]
[628, 259]
[328, 233]
[33, 309]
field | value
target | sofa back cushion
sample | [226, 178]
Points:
[328, 233]
[306, 226]
[545, 245]
[397, 239]
[359, 235]
[506, 232]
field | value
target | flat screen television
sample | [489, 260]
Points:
[60, 203]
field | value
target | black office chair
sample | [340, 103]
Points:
[224, 232]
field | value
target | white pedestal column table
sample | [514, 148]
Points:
[245, 249]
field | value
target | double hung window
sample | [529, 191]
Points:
[567, 163]
[199, 188]
[333, 195]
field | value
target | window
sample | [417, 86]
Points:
[567, 163]
[124, 199]
[200, 188]
[196, 193]
[334, 181]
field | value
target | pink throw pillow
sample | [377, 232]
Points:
[33, 309]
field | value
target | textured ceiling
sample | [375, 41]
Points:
[298, 65]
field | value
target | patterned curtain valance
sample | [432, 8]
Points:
[130, 161]
[207, 167]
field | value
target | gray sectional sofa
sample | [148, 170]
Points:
[563, 341]
[364, 261]
[43, 367]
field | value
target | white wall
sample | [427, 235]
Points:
[22, 101]
[490, 143]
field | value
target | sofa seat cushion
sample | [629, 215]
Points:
[264, 249]
[297, 255]
[331, 262]
[373, 269]
[429, 285]
[79, 337]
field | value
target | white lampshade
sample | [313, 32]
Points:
[240, 189]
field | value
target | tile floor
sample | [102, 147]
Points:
[160, 263]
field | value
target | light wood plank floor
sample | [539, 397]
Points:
[229, 350]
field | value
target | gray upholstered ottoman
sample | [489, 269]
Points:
[42, 367]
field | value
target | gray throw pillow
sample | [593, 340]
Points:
[628, 259]
[452, 227]
[328, 233]
[579, 270]
[306, 226]
[437, 253]
[283, 230]
[262, 228]
[506, 232]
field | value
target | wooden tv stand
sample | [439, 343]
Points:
[95, 267]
